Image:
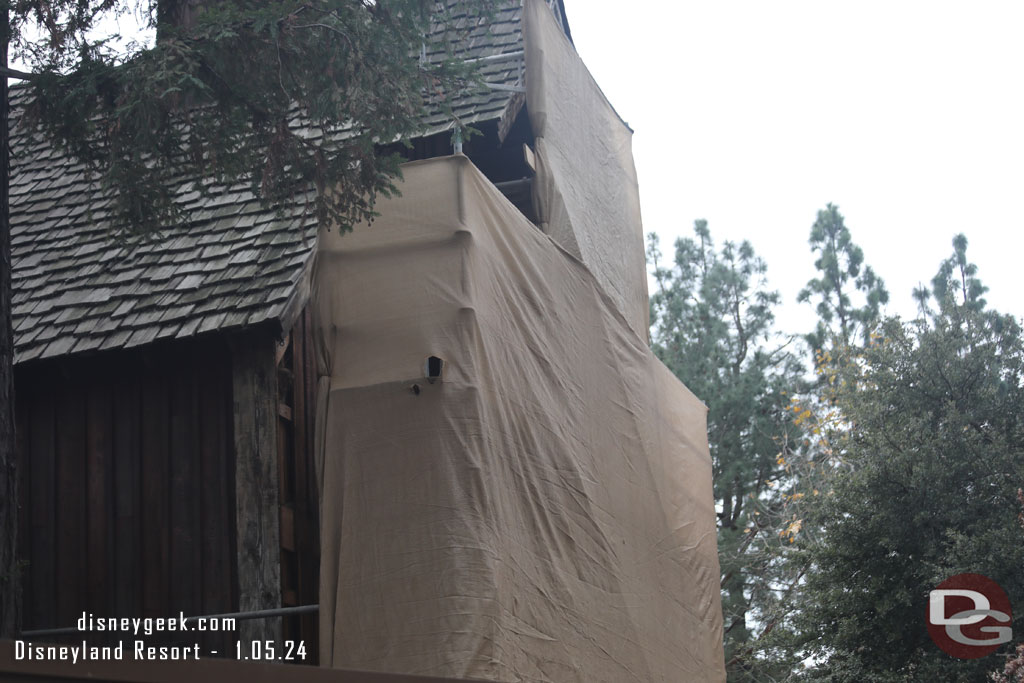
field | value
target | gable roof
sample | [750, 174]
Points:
[78, 288]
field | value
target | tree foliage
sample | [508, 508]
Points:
[712, 320]
[934, 439]
[842, 273]
[955, 286]
[901, 466]
[285, 95]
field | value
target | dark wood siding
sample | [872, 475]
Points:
[298, 491]
[127, 469]
[155, 481]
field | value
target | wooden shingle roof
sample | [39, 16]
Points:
[78, 288]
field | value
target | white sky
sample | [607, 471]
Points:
[907, 115]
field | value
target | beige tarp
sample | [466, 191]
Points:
[586, 188]
[544, 511]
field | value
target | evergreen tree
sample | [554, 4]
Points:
[842, 273]
[712, 317]
[934, 442]
[955, 286]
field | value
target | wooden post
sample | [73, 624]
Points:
[254, 380]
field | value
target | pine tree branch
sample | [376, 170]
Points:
[17, 73]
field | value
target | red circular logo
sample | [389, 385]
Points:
[969, 616]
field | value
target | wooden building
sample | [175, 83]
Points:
[165, 388]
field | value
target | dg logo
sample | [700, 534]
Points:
[969, 616]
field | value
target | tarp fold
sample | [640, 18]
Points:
[586, 190]
[544, 511]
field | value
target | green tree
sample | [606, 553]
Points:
[284, 95]
[842, 273]
[712, 318]
[956, 286]
[933, 440]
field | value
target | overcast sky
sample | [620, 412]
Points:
[907, 115]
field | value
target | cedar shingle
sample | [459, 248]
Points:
[77, 287]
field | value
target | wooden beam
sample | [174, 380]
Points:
[510, 114]
[287, 528]
[282, 348]
[307, 537]
[529, 157]
[296, 302]
[254, 380]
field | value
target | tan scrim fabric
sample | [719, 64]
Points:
[586, 190]
[543, 512]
